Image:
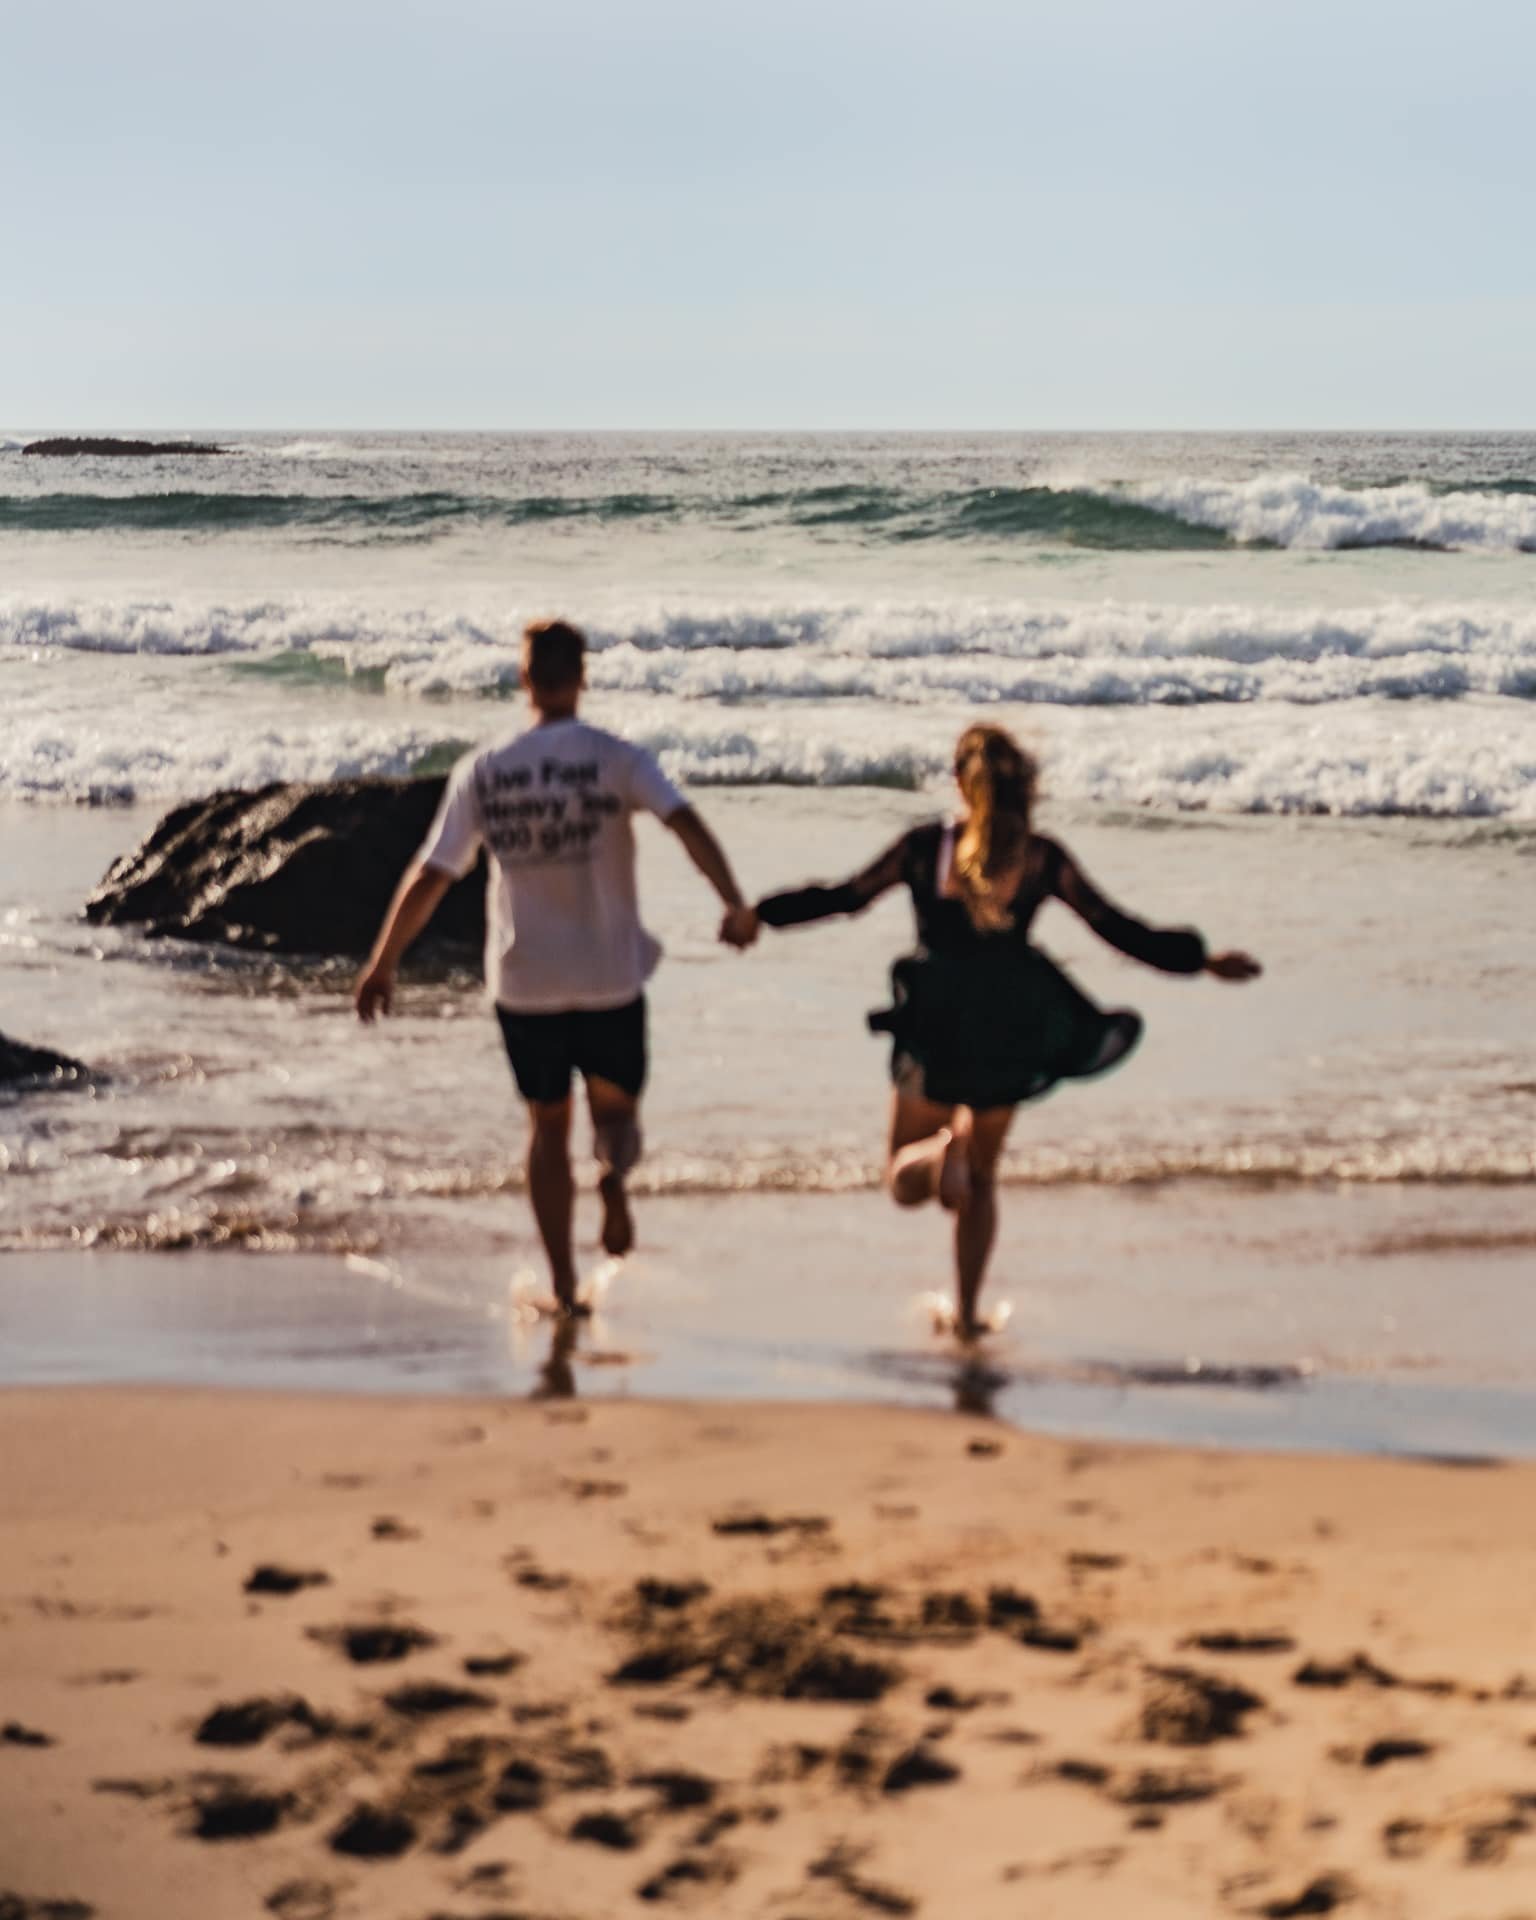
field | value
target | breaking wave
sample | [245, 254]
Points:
[1181, 708]
[1290, 511]
[1102, 655]
[1285, 510]
[1266, 765]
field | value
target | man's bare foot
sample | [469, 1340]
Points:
[550, 1306]
[955, 1170]
[618, 1230]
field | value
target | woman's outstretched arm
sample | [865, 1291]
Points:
[800, 905]
[1172, 950]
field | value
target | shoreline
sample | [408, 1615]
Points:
[584, 1659]
[1323, 1350]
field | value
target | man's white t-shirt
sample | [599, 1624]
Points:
[553, 807]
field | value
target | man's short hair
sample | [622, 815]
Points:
[553, 654]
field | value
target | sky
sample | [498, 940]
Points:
[803, 214]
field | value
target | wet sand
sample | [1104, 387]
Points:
[1188, 1316]
[405, 1658]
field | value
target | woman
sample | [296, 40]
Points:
[982, 1020]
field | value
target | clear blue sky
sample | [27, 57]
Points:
[794, 213]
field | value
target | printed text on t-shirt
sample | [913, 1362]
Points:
[553, 811]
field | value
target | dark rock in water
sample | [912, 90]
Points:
[290, 868]
[38, 1066]
[140, 448]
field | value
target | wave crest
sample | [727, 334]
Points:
[1103, 655]
[1284, 510]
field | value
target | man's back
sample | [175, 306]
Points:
[554, 806]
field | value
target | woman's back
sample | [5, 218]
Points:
[921, 859]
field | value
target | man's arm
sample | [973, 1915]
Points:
[416, 900]
[706, 853]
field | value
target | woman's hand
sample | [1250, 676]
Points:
[740, 926]
[1233, 966]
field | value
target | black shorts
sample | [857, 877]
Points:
[606, 1043]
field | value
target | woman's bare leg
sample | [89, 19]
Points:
[920, 1138]
[976, 1219]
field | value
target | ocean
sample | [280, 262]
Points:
[1282, 687]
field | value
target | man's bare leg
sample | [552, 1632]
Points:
[616, 1143]
[976, 1217]
[552, 1191]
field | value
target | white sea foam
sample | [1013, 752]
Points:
[1104, 654]
[161, 749]
[1405, 708]
[1289, 510]
[1451, 760]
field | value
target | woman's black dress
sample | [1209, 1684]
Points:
[984, 1019]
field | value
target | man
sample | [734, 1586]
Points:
[566, 956]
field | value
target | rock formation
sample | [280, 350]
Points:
[24, 1066]
[291, 868]
[141, 448]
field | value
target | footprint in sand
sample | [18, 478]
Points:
[947, 1700]
[767, 1527]
[427, 1698]
[1380, 1752]
[919, 1766]
[245, 1723]
[539, 1580]
[374, 1641]
[1322, 1895]
[1187, 1708]
[387, 1527]
[234, 1810]
[14, 1734]
[302, 1900]
[840, 1866]
[1234, 1640]
[670, 1595]
[282, 1581]
[677, 1789]
[605, 1828]
[687, 1871]
[373, 1833]
[486, 1666]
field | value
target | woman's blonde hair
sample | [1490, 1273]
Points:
[997, 779]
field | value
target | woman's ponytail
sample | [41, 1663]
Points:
[997, 779]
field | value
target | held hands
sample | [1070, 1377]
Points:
[1233, 966]
[374, 992]
[739, 927]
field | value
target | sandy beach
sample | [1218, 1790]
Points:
[343, 1656]
[329, 1591]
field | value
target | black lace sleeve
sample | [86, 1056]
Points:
[1171, 951]
[801, 905]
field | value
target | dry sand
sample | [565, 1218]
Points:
[585, 1660]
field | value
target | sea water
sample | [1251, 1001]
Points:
[1281, 688]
